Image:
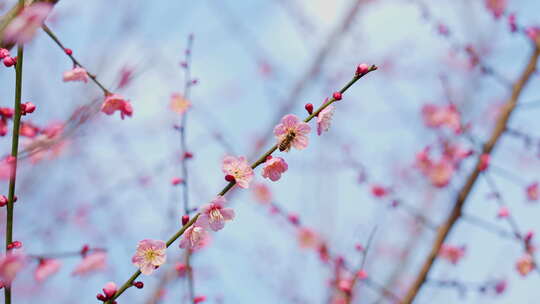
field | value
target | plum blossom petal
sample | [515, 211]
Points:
[76, 74]
[274, 167]
[46, 268]
[239, 168]
[324, 119]
[92, 262]
[214, 215]
[23, 28]
[195, 237]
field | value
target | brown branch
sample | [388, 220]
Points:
[487, 148]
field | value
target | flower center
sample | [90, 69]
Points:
[150, 255]
[215, 215]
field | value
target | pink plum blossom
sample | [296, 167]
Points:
[194, 237]
[239, 168]
[214, 215]
[292, 132]
[274, 167]
[262, 193]
[149, 255]
[533, 192]
[525, 264]
[10, 265]
[179, 104]
[307, 238]
[440, 173]
[46, 268]
[23, 28]
[496, 7]
[92, 262]
[76, 74]
[438, 116]
[324, 119]
[452, 253]
[114, 102]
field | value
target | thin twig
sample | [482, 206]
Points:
[230, 185]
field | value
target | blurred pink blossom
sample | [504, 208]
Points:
[10, 265]
[23, 28]
[92, 262]
[46, 268]
[452, 253]
[75, 74]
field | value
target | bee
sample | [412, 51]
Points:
[285, 144]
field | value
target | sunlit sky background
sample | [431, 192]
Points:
[92, 193]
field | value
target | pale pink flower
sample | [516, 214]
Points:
[115, 102]
[195, 237]
[262, 193]
[440, 173]
[46, 268]
[92, 262]
[525, 264]
[307, 238]
[292, 132]
[150, 254]
[179, 104]
[274, 167]
[76, 74]
[239, 168]
[452, 253]
[533, 192]
[496, 7]
[324, 119]
[23, 28]
[214, 215]
[10, 265]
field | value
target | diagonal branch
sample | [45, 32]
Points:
[231, 184]
[465, 191]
